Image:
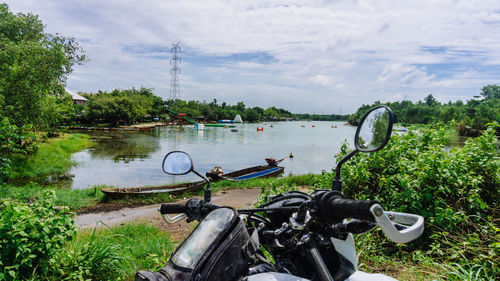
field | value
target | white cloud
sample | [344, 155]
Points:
[321, 80]
[356, 51]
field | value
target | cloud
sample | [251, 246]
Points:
[338, 52]
[321, 80]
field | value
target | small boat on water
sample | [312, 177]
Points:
[219, 125]
[262, 171]
[174, 189]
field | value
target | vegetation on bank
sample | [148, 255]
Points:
[457, 192]
[469, 118]
[142, 105]
[40, 242]
[53, 158]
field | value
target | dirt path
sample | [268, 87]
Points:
[237, 198]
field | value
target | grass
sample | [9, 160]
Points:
[52, 158]
[140, 246]
[73, 198]
[300, 180]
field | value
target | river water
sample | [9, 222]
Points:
[133, 159]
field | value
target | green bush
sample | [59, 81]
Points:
[30, 234]
[14, 141]
[456, 191]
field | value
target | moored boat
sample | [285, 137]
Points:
[262, 171]
[174, 189]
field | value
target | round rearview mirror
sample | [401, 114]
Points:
[374, 130]
[177, 163]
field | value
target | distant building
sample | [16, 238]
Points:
[77, 99]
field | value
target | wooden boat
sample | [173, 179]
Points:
[174, 189]
[263, 171]
[220, 125]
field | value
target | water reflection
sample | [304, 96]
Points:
[125, 146]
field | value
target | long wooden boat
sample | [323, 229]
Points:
[174, 189]
[219, 125]
[263, 171]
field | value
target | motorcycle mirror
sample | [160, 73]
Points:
[177, 163]
[372, 134]
[375, 129]
[180, 163]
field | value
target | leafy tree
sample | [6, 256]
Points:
[491, 91]
[430, 100]
[33, 68]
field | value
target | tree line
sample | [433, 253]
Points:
[469, 118]
[138, 105]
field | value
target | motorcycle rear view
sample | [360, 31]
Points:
[308, 236]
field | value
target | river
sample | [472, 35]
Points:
[132, 159]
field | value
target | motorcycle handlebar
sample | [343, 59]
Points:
[334, 208]
[398, 227]
[173, 208]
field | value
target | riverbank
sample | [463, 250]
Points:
[52, 159]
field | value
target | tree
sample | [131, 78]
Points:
[33, 68]
[430, 100]
[491, 91]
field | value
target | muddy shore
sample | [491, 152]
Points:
[237, 198]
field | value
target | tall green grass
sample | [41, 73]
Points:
[139, 246]
[52, 158]
[73, 198]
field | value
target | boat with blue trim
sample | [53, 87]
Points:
[263, 171]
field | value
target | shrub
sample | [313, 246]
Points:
[456, 191]
[30, 234]
[13, 141]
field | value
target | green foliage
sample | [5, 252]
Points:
[457, 272]
[14, 142]
[137, 246]
[91, 260]
[33, 68]
[30, 234]
[469, 119]
[455, 190]
[122, 106]
[52, 158]
[73, 198]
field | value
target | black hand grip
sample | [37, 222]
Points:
[173, 209]
[334, 208]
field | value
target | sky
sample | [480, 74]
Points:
[325, 57]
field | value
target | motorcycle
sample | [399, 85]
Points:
[293, 236]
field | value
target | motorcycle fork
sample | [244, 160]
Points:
[318, 262]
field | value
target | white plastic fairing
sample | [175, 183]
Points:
[363, 276]
[347, 249]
